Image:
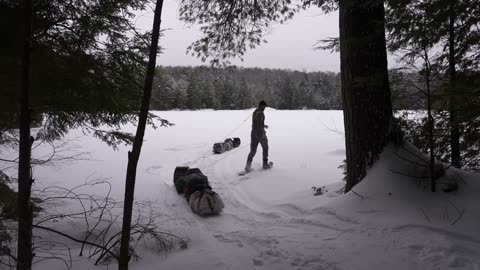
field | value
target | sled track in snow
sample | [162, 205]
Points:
[256, 230]
[287, 237]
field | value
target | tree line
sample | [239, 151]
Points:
[240, 88]
[233, 88]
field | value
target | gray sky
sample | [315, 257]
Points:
[290, 46]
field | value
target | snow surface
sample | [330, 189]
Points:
[271, 219]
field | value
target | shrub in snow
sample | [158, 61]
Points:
[319, 190]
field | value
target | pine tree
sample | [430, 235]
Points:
[245, 96]
[169, 91]
[207, 89]
[367, 106]
[306, 90]
[230, 93]
[193, 100]
[451, 26]
[78, 79]
[286, 92]
[161, 92]
[25, 180]
[267, 94]
[79, 66]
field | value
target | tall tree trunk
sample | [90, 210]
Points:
[24, 245]
[134, 155]
[367, 108]
[454, 127]
[431, 123]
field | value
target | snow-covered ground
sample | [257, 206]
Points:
[271, 219]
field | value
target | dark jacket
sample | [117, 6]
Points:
[258, 123]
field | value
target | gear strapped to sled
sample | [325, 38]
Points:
[194, 185]
[227, 145]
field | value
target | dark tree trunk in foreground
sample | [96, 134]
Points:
[367, 108]
[134, 155]
[24, 245]
[454, 127]
[431, 121]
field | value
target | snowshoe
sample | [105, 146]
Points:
[268, 165]
[246, 171]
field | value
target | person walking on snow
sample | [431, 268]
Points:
[258, 135]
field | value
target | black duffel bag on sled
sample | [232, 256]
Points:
[227, 145]
[194, 185]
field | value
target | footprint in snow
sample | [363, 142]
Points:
[223, 239]
[257, 262]
[337, 152]
[239, 180]
[185, 146]
[155, 170]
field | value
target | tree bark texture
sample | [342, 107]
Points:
[454, 126]
[24, 241]
[367, 107]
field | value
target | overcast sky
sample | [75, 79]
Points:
[290, 46]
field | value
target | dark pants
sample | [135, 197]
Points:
[255, 140]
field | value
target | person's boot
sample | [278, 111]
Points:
[248, 167]
[266, 165]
